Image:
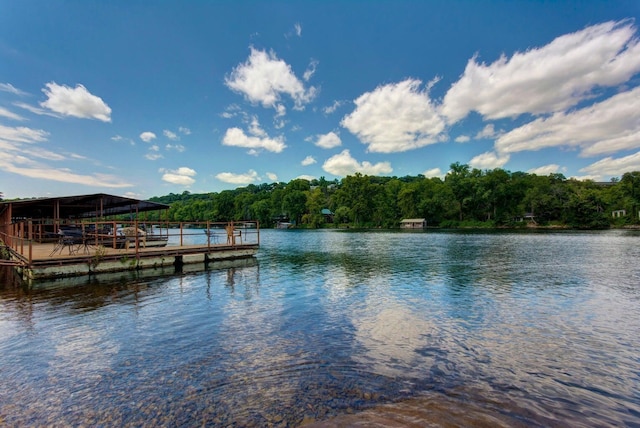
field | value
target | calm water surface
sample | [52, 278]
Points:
[339, 328]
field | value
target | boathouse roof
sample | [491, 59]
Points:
[80, 206]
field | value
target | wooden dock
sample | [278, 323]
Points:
[98, 259]
[45, 238]
[62, 257]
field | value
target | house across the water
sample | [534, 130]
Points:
[85, 234]
[413, 223]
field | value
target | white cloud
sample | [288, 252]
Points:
[147, 136]
[177, 147]
[153, 153]
[489, 160]
[170, 135]
[310, 71]
[333, 107]
[76, 102]
[132, 195]
[27, 168]
[487, 132]
[8, 87]
[329, 141]
[237, 138]
[344, 164]
[231, 111]
[547, 79]
[10, 115]
[184, 131]
[22, 134]
[462, 139]
[295, 31]
[247, 178]
[121, 138]
[272, 176]
[395, 118]
[614, 167]
[49, 155]
[434, 172]
[545, 169]
[309, 160]
[152, 156]
[305, 177]
[36, 110]
[182, 176]
[255, 129]
[264, 78]
[606, 127]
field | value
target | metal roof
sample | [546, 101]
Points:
[81, 206]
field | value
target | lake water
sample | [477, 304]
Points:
[339, 328]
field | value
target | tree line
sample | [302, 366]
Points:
[466, 197]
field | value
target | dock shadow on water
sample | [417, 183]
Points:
[331, 329]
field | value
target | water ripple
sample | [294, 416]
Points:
[387, 328]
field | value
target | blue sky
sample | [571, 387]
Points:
[142, 99]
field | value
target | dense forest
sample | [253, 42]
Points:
[465, 198]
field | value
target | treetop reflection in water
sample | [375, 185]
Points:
[459, 328]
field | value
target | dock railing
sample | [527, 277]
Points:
[129, 236]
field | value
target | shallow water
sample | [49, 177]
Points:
[339, 328]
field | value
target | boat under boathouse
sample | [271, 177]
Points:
[46, 238]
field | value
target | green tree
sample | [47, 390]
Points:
[459, 181]
[294, 204]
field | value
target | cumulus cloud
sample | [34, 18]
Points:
[606, 127]
[489, 160]
[547, 79]
[264, 79]
[170, 135]
[344, 164]
[395, 118]
[462, 139]
[309, 160]
[247, 178]
[182, 176]
[185, 131]
[487, 132]
[272, 176]
[237, 138]
[433, 172]
[614, 167]
[147, 136]
[545, 169]
[76, 102]
[298, 29]
[329, 141]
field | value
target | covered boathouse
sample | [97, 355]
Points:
[47, 238]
